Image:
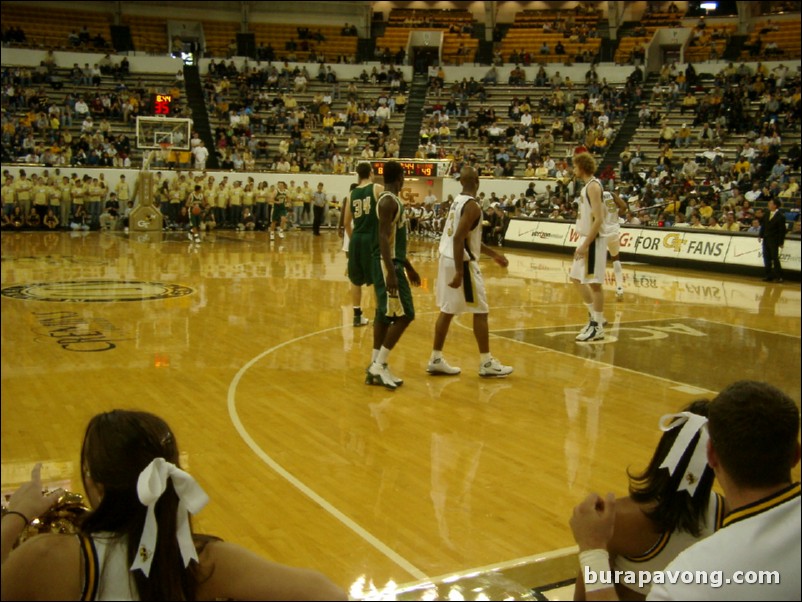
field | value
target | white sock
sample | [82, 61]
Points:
[590, 308]
[619, 274]
[598, 317]
[436, 355]
[485, 357]
[381, 358]
[374, 355]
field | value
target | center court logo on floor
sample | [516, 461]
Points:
[96, 291]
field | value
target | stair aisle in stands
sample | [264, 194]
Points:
[200, 116]
[410, 138]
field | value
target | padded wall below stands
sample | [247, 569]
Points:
[138, 63]
[164, 64]
[615, 74]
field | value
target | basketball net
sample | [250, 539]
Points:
[162, 152]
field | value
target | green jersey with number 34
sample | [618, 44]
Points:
[363, 209]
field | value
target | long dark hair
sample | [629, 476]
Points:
[117, 446]
[657, 489]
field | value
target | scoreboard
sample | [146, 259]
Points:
[162, 104]
[420, 169]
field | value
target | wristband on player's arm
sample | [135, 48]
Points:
[595, 561]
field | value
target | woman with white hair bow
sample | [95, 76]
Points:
[670, 505]
[137, 542]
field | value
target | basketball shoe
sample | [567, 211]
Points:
[398, 381]
[377, 374]
[591, 332]
[494, 368]
[441, 366]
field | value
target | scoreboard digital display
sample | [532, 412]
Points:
[423, 169]
[162, 104]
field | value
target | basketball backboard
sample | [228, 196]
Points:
[153, 132]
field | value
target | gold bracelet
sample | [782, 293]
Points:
[25, 518]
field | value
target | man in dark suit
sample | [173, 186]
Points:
[772, 234]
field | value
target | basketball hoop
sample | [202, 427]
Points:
[160, 156]
[163, 136]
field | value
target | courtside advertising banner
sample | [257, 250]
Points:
[747, 250]
[541, 233]
[685, 245]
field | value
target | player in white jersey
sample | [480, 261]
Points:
[590, 257]
[460, 287]
[611, 230]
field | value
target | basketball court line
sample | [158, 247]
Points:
[681, 316]
[680, 386]
[611, 324]
[784, 334]
[340, 516]
[327, 506]
[295, 482]
[360, 531]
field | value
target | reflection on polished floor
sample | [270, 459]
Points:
[246, 348]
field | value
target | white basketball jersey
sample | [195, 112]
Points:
[474, 239]
[612, 224]
[584, 219]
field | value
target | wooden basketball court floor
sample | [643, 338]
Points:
[247, 349]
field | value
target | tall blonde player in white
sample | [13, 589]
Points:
[611, 231]
[460, 287]
[590, 257]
